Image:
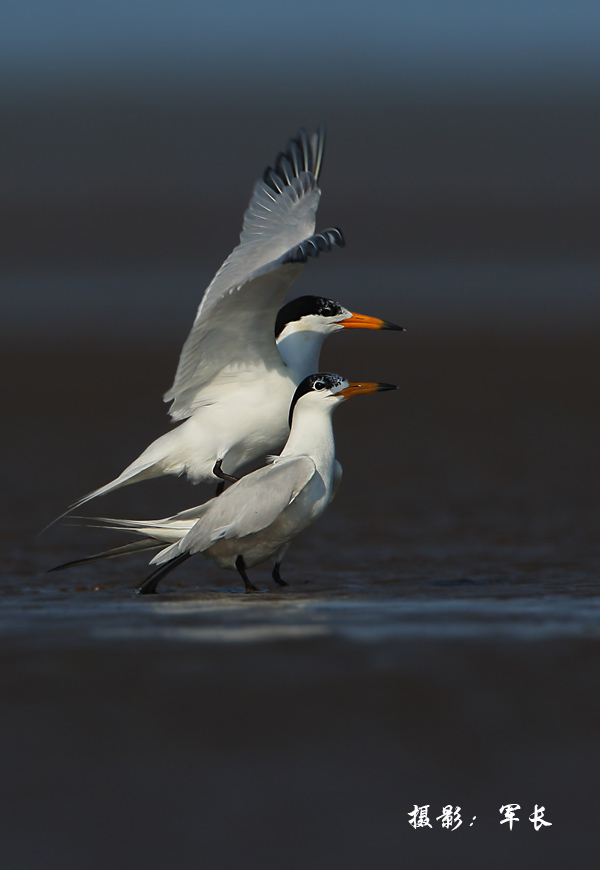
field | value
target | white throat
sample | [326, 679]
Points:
[312, 435]
[300, 350]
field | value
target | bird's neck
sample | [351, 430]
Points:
[312, 435]
[300, 351]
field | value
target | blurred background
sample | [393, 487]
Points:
[462, 166]
[461, 159]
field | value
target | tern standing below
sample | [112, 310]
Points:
[242, 360]
[256, 518]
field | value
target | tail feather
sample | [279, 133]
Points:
[159, 458]
[134, 473]
[124, 550]
[163, 533]
[155, 534]
[124, 479]
[169, 529]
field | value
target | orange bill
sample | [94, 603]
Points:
[356, 389]
[362, 321]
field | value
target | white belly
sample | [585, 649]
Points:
[247, 422]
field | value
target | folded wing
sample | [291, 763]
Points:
[248, 507]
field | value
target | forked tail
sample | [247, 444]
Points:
[154, 534]
[145, 544]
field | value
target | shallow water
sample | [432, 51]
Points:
[222, 618]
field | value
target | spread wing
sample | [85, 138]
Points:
[234, 327]
[247, 507]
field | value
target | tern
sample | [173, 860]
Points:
[258, 516]
[243, 359]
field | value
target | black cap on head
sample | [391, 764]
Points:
[303, 305]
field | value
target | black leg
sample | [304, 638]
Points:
[148, 587]
[241, 566]
[220, 488]
[277, 576]
[218, 472]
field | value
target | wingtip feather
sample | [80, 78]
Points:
[303, 154]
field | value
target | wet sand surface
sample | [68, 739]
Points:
[439, 642]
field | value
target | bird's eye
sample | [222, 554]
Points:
[319, 385]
